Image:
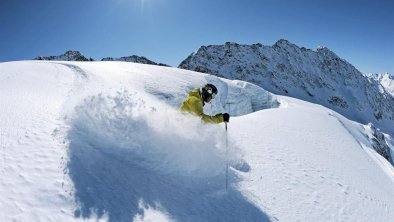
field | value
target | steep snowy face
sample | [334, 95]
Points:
[317, 76]
[134, 58]
[67, 56]
[385, 79]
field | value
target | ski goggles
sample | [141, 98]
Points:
[211, 93]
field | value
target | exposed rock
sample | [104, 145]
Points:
[67, 56]
[379, 143]
[77, 56]
[134, 58]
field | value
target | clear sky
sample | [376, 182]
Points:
[167, 31]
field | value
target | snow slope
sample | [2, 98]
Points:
[103, 141]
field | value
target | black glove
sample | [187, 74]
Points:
[226, 117]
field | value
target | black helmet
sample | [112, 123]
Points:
[207, 91]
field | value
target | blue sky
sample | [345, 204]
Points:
[167, 31]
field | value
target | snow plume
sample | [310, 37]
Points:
[128, 147]
[156, 136]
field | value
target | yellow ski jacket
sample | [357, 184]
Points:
[194, 105]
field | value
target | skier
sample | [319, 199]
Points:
[196, 100]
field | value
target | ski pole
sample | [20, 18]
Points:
[225, 124]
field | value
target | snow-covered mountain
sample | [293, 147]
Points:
[317, 76]
[77, 56]
[385, 79]
[104, 141]
[67, 56]
[134, 58]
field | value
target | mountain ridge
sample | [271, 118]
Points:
[73, 55]
[134, 58]
[70, 55]
[319, 76]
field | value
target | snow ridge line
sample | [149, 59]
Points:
[379, 159]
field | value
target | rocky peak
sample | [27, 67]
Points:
[67, 56]
[71, 53]
[379, 76]
[282, 42]
[326, 52]
[230, 45]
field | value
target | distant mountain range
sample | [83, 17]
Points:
[318, 76]
[385, 79]
[134, 58]
[77, 56]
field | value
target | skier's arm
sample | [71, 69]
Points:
[198, 108]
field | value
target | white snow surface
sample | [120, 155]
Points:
[104, 141]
